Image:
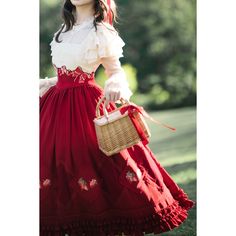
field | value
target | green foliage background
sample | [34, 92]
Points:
[160, 51]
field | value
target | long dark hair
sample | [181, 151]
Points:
[101, 10]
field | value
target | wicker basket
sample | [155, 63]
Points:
[115, 131]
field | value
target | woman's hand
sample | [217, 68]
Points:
[117, 87]
[112, 94]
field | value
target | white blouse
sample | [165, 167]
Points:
[86, 47]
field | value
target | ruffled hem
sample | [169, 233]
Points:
[183, 200]
[165, 220]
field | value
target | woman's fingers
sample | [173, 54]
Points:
[106, 104]
[107, 95]
[118, 95]
[114, 96]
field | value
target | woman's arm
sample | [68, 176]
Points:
[116, 86]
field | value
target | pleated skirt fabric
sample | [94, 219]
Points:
[83, 191]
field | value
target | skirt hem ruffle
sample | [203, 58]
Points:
[159, 222]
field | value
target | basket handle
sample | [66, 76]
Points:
[98, 114]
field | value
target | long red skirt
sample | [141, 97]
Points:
[84, 192]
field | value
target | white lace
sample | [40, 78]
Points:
[87, 48]
[84, 46]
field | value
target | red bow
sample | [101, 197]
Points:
[109, 13]
[133, 108]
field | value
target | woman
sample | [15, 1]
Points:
[82, 191]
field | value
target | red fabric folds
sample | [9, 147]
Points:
[166, 220]
[84, 192]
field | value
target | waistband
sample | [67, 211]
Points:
[74, 78]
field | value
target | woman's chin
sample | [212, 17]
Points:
[81, 2]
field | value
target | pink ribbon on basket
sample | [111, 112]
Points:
[131, 109]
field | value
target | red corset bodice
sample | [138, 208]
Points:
[73, 78]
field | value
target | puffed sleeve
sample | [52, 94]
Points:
[103, 42]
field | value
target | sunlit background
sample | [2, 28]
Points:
[160, 64]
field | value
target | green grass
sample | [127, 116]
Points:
[176, 151]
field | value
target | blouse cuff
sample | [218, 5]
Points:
[118, 82]
[45, 84]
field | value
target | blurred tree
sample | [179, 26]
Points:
[160, 39]
[130, 72]
[48, 26]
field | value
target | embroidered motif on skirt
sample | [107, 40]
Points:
[84, 185]
[76, 74]
[46, 183]
[132, 176]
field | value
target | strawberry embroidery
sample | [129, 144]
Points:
[84, 185]
[131, 176]
[92, 183]
[46, 183]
